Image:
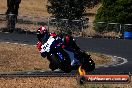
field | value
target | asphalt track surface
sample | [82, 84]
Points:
[114, 47]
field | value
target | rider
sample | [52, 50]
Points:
[68, 42]
[42, 36]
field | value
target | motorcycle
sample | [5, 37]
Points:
[63, 59]
[57, 57]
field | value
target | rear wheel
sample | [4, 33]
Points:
[86, 62]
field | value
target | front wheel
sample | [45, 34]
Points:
[65, 61]
[55, 63]
[65, 64]
[52, 66]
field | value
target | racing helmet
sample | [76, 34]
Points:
[41, 32]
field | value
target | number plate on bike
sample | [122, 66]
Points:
[46, 46]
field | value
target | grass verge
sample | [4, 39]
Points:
[28, 7]
[52, 82]
[19, 57]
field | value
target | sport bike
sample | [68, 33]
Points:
[56, 55]
[62, 58]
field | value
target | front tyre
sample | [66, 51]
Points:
[53, 62]
[65, 64]
[52, 66]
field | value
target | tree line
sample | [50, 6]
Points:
[118, 11]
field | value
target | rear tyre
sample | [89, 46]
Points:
[86, 62]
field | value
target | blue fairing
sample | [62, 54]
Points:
[56, 46]
[60, 56]
[56, 42]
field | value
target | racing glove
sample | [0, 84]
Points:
[39, 44]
